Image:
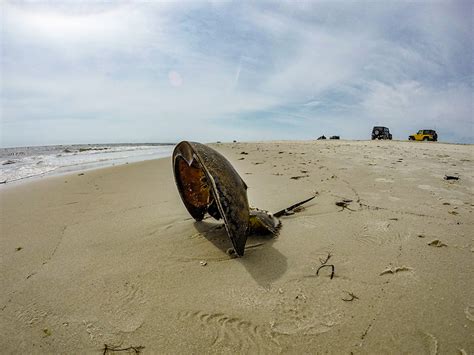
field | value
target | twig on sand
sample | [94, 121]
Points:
[327, 258]
[136, 349]
[253, 245]
[293, 207]
[231, 252]
[352, 297]
[326, 265]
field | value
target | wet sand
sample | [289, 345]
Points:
[112, 256]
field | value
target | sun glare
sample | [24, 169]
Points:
[58, 26]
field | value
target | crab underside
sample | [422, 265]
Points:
[208, 183]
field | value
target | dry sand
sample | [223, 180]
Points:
[112, 257]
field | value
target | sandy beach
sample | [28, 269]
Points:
[111, 256]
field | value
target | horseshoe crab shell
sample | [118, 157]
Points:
[208, 183]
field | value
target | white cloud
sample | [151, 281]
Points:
[409, 106]
[111, 26]
[152, 71]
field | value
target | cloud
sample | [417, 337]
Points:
[409, 106]
[132, 71]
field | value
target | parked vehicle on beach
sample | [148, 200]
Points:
[379, 132]
[424, 135]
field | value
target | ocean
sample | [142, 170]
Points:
[29, 162]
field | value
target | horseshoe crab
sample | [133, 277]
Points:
[208, 183]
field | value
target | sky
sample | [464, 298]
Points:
[129, 71]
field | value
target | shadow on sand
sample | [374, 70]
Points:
[261, 260]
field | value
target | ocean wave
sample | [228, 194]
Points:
[41, 161]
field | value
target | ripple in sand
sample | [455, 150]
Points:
[424, 187]
[232, 332]
[384, 180]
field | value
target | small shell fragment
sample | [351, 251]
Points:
[437, 243]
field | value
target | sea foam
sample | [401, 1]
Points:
[28, 162]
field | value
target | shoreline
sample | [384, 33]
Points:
[65, 174]
[112, 256]
[55, 160]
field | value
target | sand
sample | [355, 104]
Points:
[112, 256]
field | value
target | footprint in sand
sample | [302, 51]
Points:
[432, 343]
[30, 314]
[232, 332]
[125, 308]
[377, 233]
[296, 314]
[307, 324]
[377, 227]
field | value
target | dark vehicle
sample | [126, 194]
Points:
[424, 135]
[381, 133]
[334, 137]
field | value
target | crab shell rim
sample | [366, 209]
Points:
[236, 218]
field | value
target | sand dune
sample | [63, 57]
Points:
[112, 256]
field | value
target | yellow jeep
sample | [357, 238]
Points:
[424, 135]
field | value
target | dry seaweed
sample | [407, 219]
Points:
[111, 348]
[451, 177]
[325, 264]
[344, 204]
[299, 177]
[352, 297]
